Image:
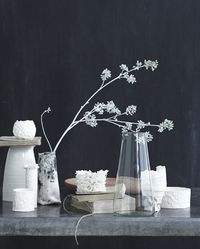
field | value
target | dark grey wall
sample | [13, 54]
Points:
[52, 53]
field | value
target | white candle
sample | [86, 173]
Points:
[23, 200]
[31, 180]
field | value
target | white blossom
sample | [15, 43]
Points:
[148, 136]
[111, 108]
[124, 130]
[140, 125]
[99, 108]
[151, 64]
[48, 110]
[123, 67]
[167, 124]
[106, 74]
[129, 125]
[131, 79]
[90, 119]
[131, 109]
[138, 65]
[139, 138]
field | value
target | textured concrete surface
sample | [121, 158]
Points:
[53, 221]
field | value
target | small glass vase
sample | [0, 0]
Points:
[48, 190]
[133, 178]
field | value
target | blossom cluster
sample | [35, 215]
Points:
[106, 74]
[167, 124]
[131, 109]
[110, 107]
[90, 119]
[100, 108]
[146, 138]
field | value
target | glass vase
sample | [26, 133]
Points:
[133, 178]
[49, 192]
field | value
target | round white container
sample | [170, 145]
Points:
[176, 197]
[23, 200]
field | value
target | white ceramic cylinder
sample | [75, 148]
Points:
[31, 180]
[176, 197]
[14, 172]
[23, 200]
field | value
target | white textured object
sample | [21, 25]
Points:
[31, 180]
[158, 180]
[24, 129]
[23, 200]
[176, 197]
[49, 192]
[14, 172]
[88, 181]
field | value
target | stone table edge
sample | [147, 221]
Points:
[100, 226]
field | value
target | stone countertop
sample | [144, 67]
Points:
[53, 221]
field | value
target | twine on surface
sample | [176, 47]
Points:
[79, 220]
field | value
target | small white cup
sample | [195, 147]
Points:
[23, 200]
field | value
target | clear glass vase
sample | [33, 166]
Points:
[133, 178]
[48, 189]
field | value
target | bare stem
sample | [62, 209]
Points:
[45, 135]
[133, 123]
[87, 102]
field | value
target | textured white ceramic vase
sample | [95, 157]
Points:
[14, 174]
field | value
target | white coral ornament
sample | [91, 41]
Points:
[90, 182]
[24, 129]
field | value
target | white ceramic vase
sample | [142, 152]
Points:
[14, 174]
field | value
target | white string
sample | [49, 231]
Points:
[77, 225]
[78, 222]
[67, 211]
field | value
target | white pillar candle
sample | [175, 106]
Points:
[23, 200]
[31, 180]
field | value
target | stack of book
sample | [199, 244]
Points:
[103, 202]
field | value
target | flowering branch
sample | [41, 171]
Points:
[90, 117]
